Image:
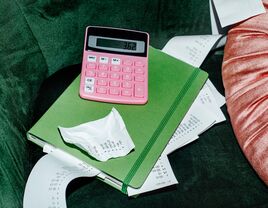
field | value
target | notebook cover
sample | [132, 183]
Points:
[173, 86]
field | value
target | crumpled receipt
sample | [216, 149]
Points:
[102, 139]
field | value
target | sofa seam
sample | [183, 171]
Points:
[33, 35]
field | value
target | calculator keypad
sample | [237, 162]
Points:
[114, 78]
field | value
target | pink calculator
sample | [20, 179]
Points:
[115, 66]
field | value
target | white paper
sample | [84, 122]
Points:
[234, 11]
[102, 139]
[191, 49]
[206, 98]
[220, 99]
[54, 171]
[160, 176]
[47, 183]
[196, 121]
[215, 25]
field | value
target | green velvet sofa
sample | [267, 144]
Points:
[41, 45]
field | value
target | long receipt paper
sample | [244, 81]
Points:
[60, 172]
[52, 173]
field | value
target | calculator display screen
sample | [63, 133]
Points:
[109, 43]
[119, 41]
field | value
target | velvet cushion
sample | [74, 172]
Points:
[245, 77]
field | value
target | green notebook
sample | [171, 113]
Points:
[173, 86]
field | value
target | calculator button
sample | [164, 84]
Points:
[102, 82]
[91, 58]
[89, 81]
[115, 75]
[127, 69]
[126, 85]
[103, 67]
[139, 70]
[89, 89]
[127, 93]
[101, 90]
[104, 60]
[91, 66]
[90, 73]
[103, 74]
[114, 91]
[114, 83]
[127, 62]
[139, 63]
[139, 78]
[116, 61]
[138, 91]
[116, 68]
[127, 77]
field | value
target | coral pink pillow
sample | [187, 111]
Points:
[245, 78]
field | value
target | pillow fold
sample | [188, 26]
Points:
[245, 78]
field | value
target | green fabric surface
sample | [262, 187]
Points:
[38, 38]
[59, 26]
[22, 70]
